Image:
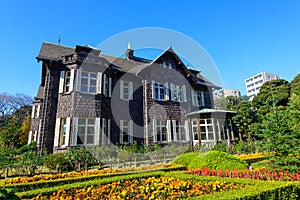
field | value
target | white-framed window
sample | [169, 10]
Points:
[35, 112]
[198, 98]
[160, 91]
[86, 131]
[63, 132]
[107, 85]
[169, 65]
[178, 93]
[206, 129]
[126, 131]
[67, 85]
[105, 131]
[161, 131]
[180, 130]
[126, 90]
[88, 82]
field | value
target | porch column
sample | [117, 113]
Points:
[219, 129]
[214, 130]
[232, 134]
[198, 130]
[227, 131]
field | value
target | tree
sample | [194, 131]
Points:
[295, 85]
[281, 140]
[10, 134]
[228, 103]
[275, 91]
[245, 117]
[25, 128]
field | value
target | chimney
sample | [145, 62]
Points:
[129, 52]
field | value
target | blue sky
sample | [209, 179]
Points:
[243, 37]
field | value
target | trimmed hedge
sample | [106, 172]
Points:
[185, 159]
[50, 190]
[256, 189]
[272, 190]
[217, 160]
[22, 187]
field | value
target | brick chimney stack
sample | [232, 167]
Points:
[129, 52]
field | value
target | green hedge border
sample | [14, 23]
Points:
[22, 187]
[272, 190]
[257, 189]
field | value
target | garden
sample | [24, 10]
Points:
[213, 174]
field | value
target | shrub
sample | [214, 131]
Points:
[57, 161]
[185, 159]
[217, 160]
[7, 194]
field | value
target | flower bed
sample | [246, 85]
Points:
[261, 174]
[47, 177]
[144, 188]
[252, 158]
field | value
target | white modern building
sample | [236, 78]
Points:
[254, 83]
[226, 92]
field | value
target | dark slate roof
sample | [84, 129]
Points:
[51, 51]
[124, 64]
[40, 94]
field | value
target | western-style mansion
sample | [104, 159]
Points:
[87, 98]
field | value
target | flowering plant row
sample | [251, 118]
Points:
[261, 174]
[144, 188]
[252, 156]
[46, 177]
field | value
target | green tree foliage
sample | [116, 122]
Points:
[228, 103]
[295, 85]
[273, 92]
[25, 128]
[246, 116]
[281, 139]
[10, 134]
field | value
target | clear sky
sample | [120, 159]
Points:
[243, 37]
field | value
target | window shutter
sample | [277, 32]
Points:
[153, 91]
[174, 130]
[121, 132]
[99, 82]
[105, 89]
[78, 80]
[169, 130]
[61, 82]
[97, 131]
[38, 111]
[68, 123]
[187, 130]
[32, 111]
[102, 131]
[202, 99]
[108, 131]
[74, 131]
[121, 89]
[193, 99]
[172, 91]
[72, 80]
[109, 87]
[167, 97]
[57, 132]
[184, 93]
[130, 90]
[29, 137]
[154, 130]
[35, 136]
[131, 131]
